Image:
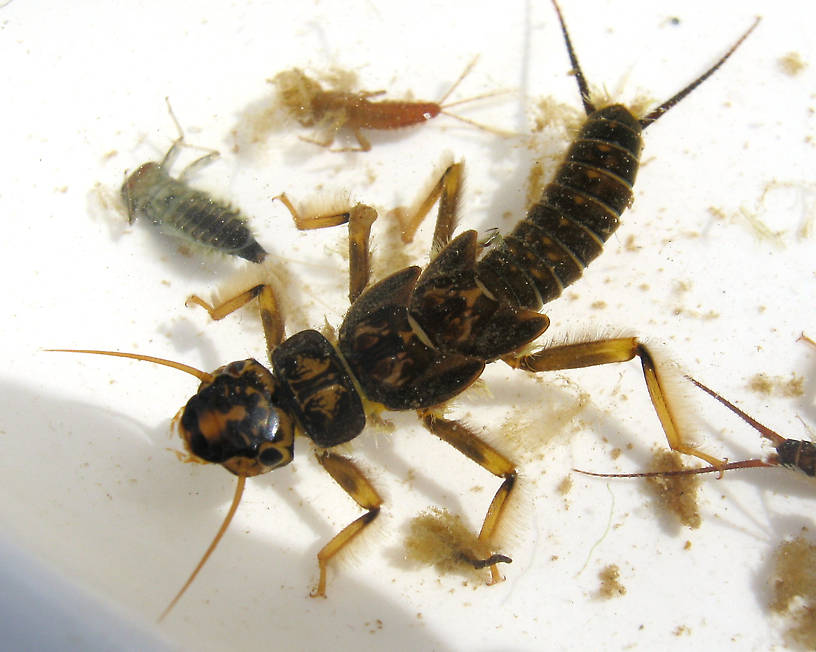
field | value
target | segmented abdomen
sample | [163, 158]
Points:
[576, 214]
[185, 212]
[390, 114]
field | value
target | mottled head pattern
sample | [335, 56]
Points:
[233, 420]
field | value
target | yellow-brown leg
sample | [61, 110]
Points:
[805, 338]
[448, 206]
[446, 191]
[621, 349]
[321, 143]
[355, 484]
[268, 306]
[359, 218]
[309, 222]
[365, 144]
[469, 444]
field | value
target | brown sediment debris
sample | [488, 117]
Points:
[676, 493]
